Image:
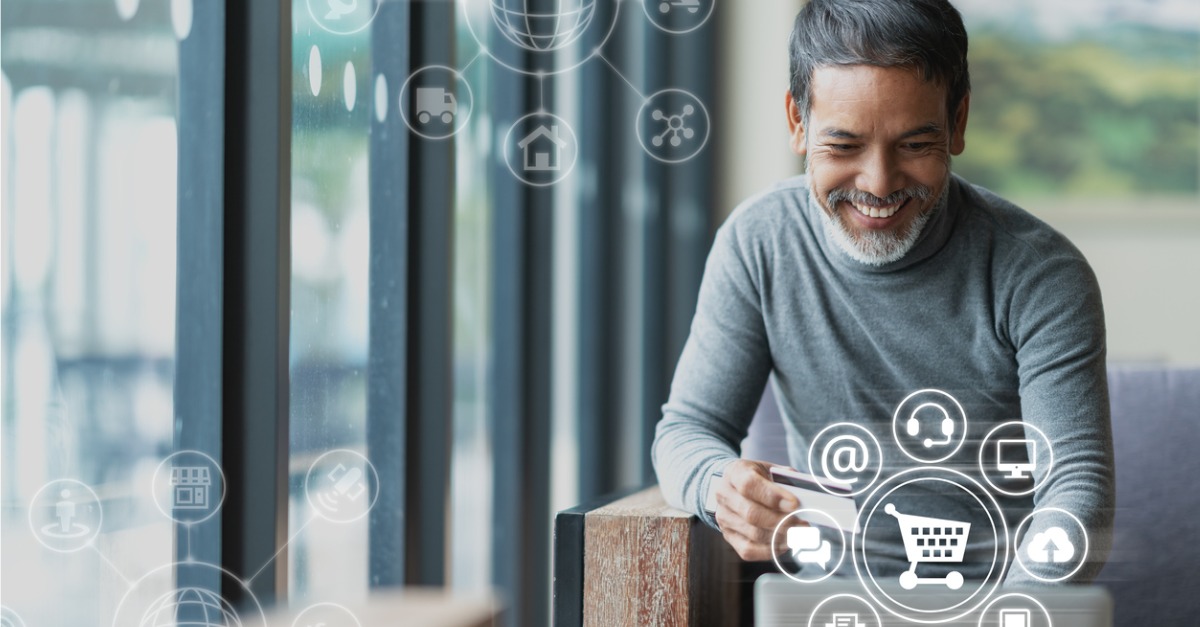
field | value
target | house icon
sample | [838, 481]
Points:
[541, 149]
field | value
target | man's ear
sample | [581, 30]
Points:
[958, 140]
[795, 122]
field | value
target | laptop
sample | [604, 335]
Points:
[843, 602]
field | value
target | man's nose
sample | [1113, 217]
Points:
[879, 174]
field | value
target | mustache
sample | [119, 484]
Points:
[858, 196]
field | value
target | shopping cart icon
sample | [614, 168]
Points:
[931, 540]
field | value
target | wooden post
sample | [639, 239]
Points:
[646, 563]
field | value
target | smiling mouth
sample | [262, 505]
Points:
[881, 212]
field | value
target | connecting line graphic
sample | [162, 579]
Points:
[600, 55]
[285, 544]
[127, 580]
[480, 52]
[541, 91]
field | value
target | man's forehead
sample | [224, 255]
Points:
[862, 94]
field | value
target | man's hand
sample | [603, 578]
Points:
[749, 506]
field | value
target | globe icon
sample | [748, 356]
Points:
[542, 30]
[190, 607]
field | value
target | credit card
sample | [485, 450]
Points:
[824, 496]
[837, 502]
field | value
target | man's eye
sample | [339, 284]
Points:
[918, 145]
[841, 147]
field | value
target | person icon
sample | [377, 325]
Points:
[65, 515]
[65, 510]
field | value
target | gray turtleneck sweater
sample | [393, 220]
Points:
[990, 305]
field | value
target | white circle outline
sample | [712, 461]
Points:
[190, 563]
[896, 421]
[321, 23]
[983, 446]
[637, 127]
[594, 52]
[841, 553]
[646, 9]
[1021, 595]
[314, 605]
[95, 499]
[863, 524]
[318, 509]
[995, 551]
[153, 483]
[1082, 557]
[813, 614]
[878, 454]
[507, 146]
[10, 614]
[459, 78]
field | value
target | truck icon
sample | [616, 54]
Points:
[437, 101]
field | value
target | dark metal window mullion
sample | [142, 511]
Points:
[520, 404]
[387, 391]
[256, 305]
[199, 267]
[429, 411]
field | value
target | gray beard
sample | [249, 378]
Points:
[877, 248]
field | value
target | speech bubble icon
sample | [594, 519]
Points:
[803, 553]
[803, 538]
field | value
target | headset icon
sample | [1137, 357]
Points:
[914, 426]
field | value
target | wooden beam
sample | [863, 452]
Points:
[647, 563]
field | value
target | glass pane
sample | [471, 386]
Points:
[328, 348]
[471, 466]
[89, 257]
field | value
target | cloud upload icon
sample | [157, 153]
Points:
[1051, 545]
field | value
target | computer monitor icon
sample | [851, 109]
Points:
[1011, 458]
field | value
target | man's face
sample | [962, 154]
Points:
[878, 143]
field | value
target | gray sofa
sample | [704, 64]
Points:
[1152, 570]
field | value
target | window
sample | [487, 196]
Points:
[332, 105]
[89, 258]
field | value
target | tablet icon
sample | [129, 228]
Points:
[1015, 617]
[845, 620]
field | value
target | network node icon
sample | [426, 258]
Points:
[673, 126]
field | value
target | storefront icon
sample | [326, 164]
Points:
[189, 487]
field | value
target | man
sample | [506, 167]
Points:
[880, 273]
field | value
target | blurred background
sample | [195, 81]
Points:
[566, 306]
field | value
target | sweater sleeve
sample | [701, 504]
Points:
[1057, 326]
[719, 379]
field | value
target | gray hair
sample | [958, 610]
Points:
[926, 35]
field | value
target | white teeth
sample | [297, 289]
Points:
[876, 212]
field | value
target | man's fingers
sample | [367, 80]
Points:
[752, 480]
[748, 549]
[729, 519]
[751, 512]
